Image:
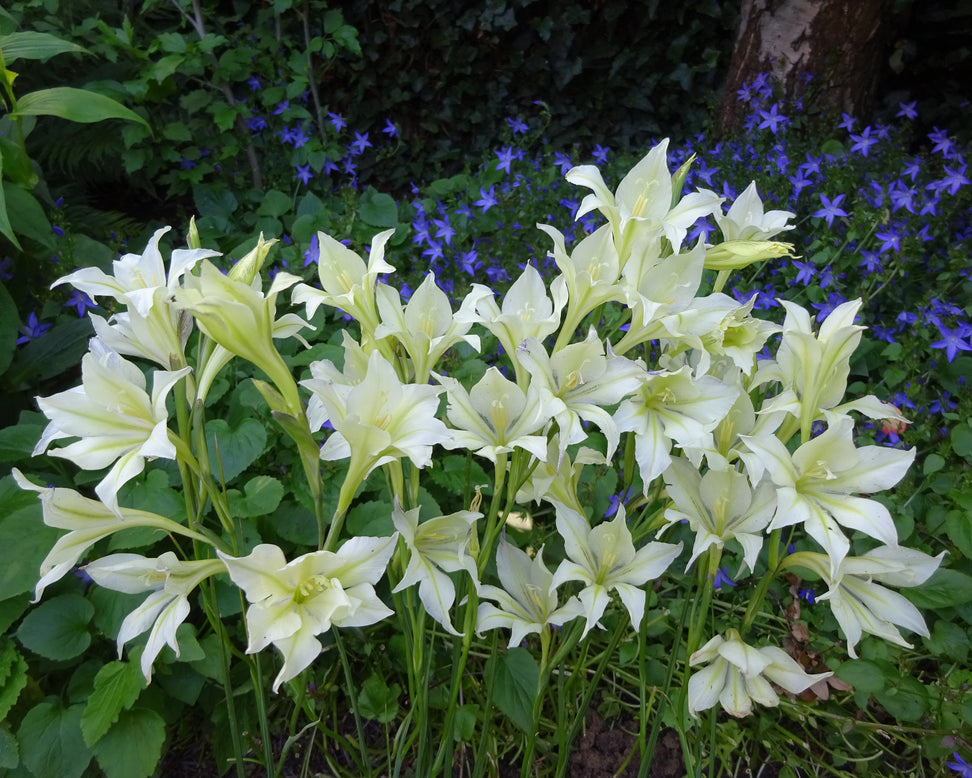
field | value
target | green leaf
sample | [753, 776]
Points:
[907, 700]
[961, 437]
[76, 105]
[932, 464]
[233, 449]
[959, 530]
[377, 208]
[862, 674]
[948, 640]
[133, 746]
[13, 675]
[372, 518]
[5, 227]
[24, 530]
[116, 687]
[261, 495]
[9, 753]
[515, 677]
[23, 210]
[50, 741]
[58, 628]
[35, 45]
[275, 203]
[378, 701]
[945, 589]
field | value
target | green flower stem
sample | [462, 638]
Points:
[591, 687]
[480, 762]
[349, 680]
[776, 563]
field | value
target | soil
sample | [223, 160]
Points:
[601, 751]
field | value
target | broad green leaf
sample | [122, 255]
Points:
[862, 674]
[133, 746]
[959, 530]
[13, 675]
[116, 687]
[17, 167]
[76, 105]
[377, 208]
[275, 203]
[50, 741]
[906, 700]
[35, 45]
[372, 518]
[233, 449]
[378, 701]
[58, 628]
[961, 437]
[261, 495]
[9, 753]
[24, 530]
[26, 213]
[932, 464]
[58, 351]
[5, 227]
[949, 641]
[515, 676]
[945, 589]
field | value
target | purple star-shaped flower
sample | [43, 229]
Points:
[831, 209]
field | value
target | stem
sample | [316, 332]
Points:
[349, 680]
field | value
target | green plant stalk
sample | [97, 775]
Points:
[591, 687]
[538, 698]
[479, 765]
[349, 680]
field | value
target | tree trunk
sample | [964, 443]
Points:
[842, 44]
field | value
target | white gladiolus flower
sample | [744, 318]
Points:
[528, 600]
[170, 581]
[293, 602]
[737, 675]
[115, 419]
[604, 558]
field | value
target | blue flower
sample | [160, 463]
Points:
[889, 240]
[518, 126]
[313, 252]
[772, 119]
[722, 578]
[506, 157]
[304, 174]
[337, 121]
[960, 766]
[908, 110]
[390, 129]
[360, 143]
[487, 199]
[600, 154]
[808, 595]
[942, 142]
[32, 329]
[952, 340]
[847, 122]
[863, 142]
[563, 161]
[831, 208]
[80, 301]
[281, 107]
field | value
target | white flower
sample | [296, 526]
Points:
[673, 407]
[738, 674]
[115, 419]
[137, 277]
[496, 416]
[378, 421]
[170, 581]
[859, 604]
[604, 559]
[747, 221]
[436, 547]
[583, 381]
[528, 600]
[815, 485]
[293, 602]
[87, 522]
[719, 506]
[425, 326]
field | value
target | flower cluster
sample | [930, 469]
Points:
[623, 353]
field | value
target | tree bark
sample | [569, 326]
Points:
[842, 44]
